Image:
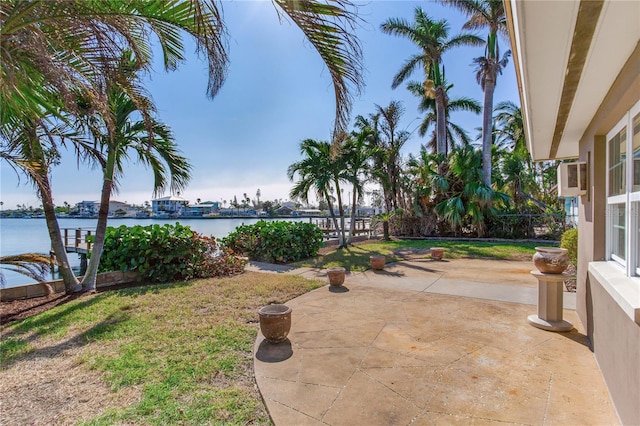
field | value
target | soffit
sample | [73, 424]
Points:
[542, 42]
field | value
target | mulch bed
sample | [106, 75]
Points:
[15, 310]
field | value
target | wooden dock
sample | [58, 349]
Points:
[362, 227]
[76, 241]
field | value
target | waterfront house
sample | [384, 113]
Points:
[87, 208]
[578, 71]
[169, 206]
[201, 209]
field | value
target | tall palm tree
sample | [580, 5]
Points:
[148, 139]
[319, 171]
[32, 148]
[384, 141]
[432, 38]
[487, 14]
[356, 156]
[456, 135]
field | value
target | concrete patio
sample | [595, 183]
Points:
[427, 342]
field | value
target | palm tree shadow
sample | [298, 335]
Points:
[94, 333]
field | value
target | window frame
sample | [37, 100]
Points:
[629, 199]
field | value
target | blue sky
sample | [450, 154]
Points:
[277, 94]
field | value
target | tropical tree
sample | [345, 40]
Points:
[432, 38]
[456, 135]
[355, 155]
[119, 135]
[55, 51]
[487, 14]
[72, 45]
[32, 148]
[385, 139]
[33, 265]
[319, 171]
[455, 192]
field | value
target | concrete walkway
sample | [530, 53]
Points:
[428, 342]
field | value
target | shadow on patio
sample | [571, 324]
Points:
[386, 355]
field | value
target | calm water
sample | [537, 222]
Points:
[31, 236]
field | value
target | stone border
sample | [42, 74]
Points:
[105, 279]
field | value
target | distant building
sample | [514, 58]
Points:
[284, 211]
[87, 208]
[366, 211]
[168, 206]
[201, 209]
[116, 208]
[308, 213]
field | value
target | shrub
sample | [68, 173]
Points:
[278, 241]
[570, 242]
[166, 253]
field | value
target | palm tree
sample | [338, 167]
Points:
[455, 133]
[319, 171]
[432, 38]
[510, 125]
[384, 141]
[31, 146]
[69, 46]
[486, 14]
[356, 155]
[33, 265]
[150, 140]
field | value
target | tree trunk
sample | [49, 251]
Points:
[89, 280]
[71, 283]
[333, 216]
[342, 230]
[487, 127]
[441, 122]
[352, 225]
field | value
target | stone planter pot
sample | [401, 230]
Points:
[377, 262]
[275, 322]
[551, 260]
[336, 275]
[437, 253]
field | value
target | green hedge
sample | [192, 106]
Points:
[166, 253]
[570, 242]
[276, 242]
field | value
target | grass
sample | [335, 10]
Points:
[356, 258]
[187, 347]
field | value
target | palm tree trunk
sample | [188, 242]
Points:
[333, 217]
[487, 127]
[441, 122]
[342, 231]
[89, 280]
[352, 225]
[71, 283]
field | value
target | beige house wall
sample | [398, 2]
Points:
[614, 336]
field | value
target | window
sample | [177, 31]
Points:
[623, 192]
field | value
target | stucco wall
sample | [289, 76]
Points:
[614, 336]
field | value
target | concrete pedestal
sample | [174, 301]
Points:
[550, 293]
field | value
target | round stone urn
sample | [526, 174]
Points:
[551, 260]
[275, 322]
[437, 253]
[377, 262]
[336, 275]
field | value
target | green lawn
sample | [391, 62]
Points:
[356, 258]
[186, 347]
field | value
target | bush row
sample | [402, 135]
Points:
[166, 253]
[277, 242]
